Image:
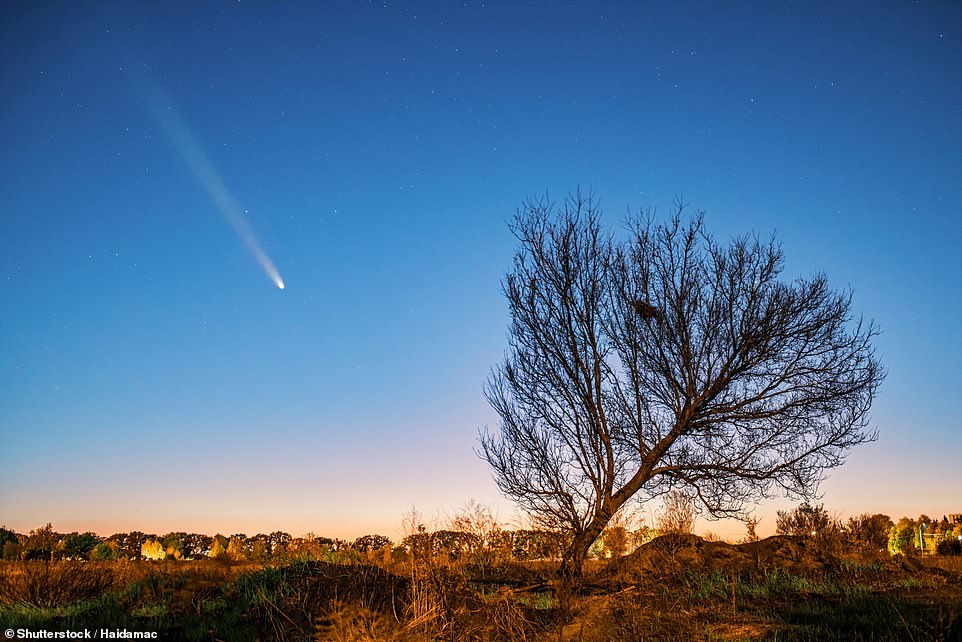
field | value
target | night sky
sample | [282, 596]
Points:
[154, 377]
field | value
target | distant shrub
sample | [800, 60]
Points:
[677, 514]
[11, 550]
[153, 550]
[217, 548]
[105, 551]
[807, 520]
[868, 532]
[367, 543]
[949, 547]
[236, 549]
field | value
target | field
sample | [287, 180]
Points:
[673, 588]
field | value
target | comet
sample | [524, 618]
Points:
[160, 106]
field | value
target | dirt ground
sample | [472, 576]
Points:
[783, 587]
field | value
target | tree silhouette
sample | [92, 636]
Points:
[667, 361]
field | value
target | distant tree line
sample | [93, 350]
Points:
[475, 537]
[453, 545]
[46, 543]
[874, 532]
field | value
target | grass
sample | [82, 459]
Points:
[950, 563]
[304, 599]
[145, 596]
[869, 617]
[772, 584]
[858, 600]
[54, 584]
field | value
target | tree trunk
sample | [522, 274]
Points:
[574, 558]
[572, 563]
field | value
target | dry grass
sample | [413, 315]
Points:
[676, 588]
[950, 563]
[350, 622]
[52, 584]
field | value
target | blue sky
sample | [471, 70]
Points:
[152, 376]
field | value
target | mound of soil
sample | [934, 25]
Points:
[788, 552]
[678, 554]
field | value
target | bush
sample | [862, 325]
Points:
[806, 520]
[868, 532]
[11, 551]
[949, 547]
[813, 522]
[677, 514]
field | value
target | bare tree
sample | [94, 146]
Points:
[677, 514]
[483, 535]
[667, 360]
[751, 523]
